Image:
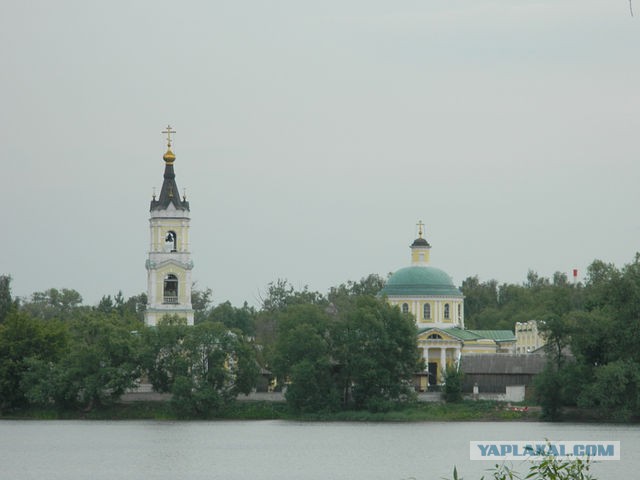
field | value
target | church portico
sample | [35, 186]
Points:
[438, 354]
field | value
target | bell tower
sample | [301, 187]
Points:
[169, 262]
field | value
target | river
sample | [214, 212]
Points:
[96, 450]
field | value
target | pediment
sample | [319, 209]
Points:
[173, 262]
[436, 334]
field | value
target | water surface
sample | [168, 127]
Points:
[279, 450]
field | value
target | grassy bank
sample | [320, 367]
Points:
[420, 412]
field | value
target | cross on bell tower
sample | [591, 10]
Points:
[169, 131]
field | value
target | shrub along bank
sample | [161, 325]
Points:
[264, 410]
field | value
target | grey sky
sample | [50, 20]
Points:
[312, 136]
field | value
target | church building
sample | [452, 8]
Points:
[169, 261]
[429, 294]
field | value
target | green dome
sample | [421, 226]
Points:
[420, 280]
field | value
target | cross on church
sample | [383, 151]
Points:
[169, 131]
[420, 225]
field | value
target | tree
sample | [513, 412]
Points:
[53, 303]
[24, 339]
[6, 302]
[221, 365]
[302, 358]
[135, 306]
[374, 346]
[453, 378]
[100, 365]
[615, 390]
[478, 298]
[242, 318]
[205, 367]
[200, 302]
[369, 285]
[281, 294]
[164, 358]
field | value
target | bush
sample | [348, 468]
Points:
[453, 384]
[549, 468]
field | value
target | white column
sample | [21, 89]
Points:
[442, 362]
[425, 355]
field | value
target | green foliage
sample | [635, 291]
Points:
[479, 297]
[311, 387]
[548, 385]
[205, 367]
[552, 469]
[99, 366]
[374, 346]
[301, 358]
[549, 468]
[133, 308]
[24, 340]
[489, 305]
[53, 303]
[242, 319]
[614, 391]
[163, 357]
[6, 302]
[281, 294]
[453, 378]
[369, 285]
[557, 387]
[362, 355]
[598, 323]
[200, 302]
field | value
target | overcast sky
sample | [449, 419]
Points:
[312, 136]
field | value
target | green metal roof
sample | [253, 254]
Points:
[495, 335]
[420, 280]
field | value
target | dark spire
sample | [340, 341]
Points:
[169, 192]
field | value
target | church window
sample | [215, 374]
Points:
[426, 311]
[434, 336]
[171, 241]
[459, 311]
[170, 289]
[405, 308]
[447, 315]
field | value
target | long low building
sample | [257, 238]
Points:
[493, 373]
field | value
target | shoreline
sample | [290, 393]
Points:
[419, 412]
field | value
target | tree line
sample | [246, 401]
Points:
[346, 349]
[592, 330]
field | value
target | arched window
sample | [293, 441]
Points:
[170, 289]
[405, 308]
[171, 241]
[434, 336]
[426, 311]
[447, 315]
